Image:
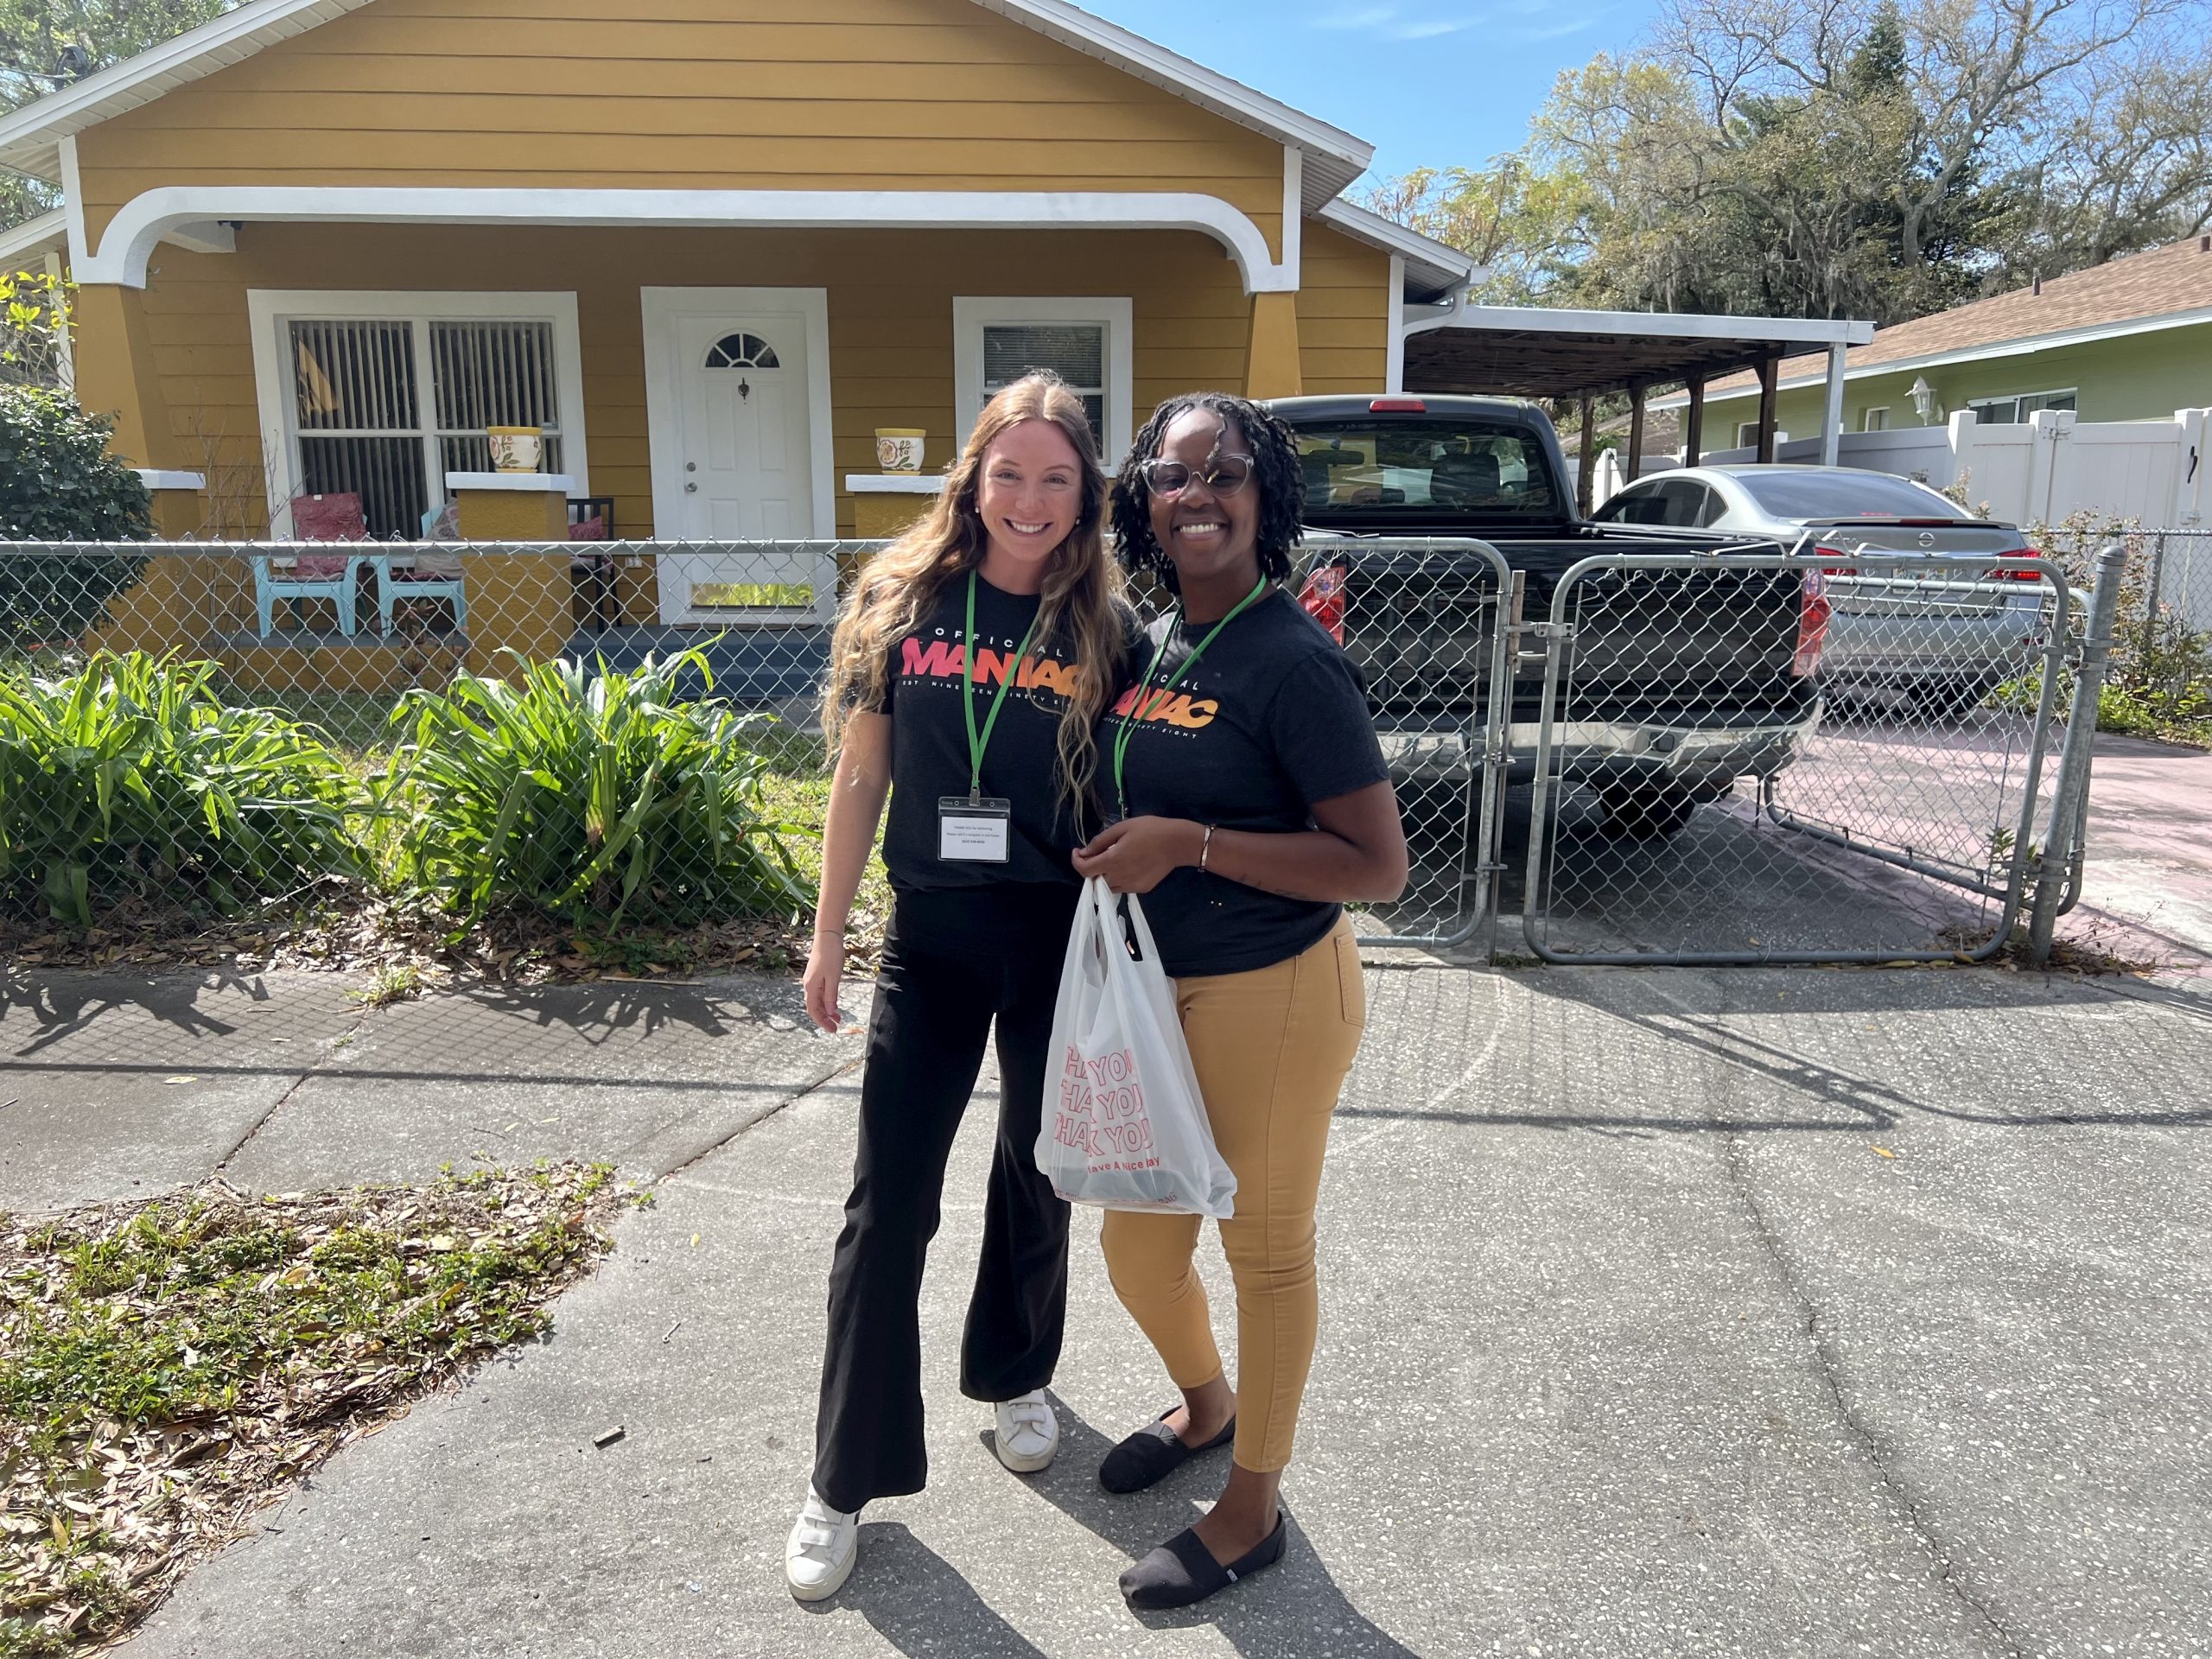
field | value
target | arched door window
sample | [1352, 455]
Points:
[741, 351]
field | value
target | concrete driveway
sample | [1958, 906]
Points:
[1665, 1311]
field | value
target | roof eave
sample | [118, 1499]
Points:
[1433, 269]
[2022, 346]
[43, 234]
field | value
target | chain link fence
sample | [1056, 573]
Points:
[1857, 760]
[354, 722]
[1719, 757]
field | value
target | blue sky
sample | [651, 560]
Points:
[1440, 84]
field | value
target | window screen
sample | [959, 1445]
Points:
[359, 410]
[1074, 351]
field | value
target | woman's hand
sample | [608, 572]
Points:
[825, 968]
[1136, 854]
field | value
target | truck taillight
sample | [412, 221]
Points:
[1398, 406]
[1814, 610]
[1322, 598]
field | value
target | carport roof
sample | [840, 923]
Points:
[1542, 352]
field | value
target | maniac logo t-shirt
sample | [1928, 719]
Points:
[928, 740]
[1272, 720]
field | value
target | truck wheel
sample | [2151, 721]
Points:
[1952, 701]
[1645, 811]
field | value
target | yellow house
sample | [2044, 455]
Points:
[711, 247]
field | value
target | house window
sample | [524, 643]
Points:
[382, 394]
[1747, 435]
[2014, 411]
[1085, 342]
[1875, 420]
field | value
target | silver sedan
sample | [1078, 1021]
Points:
[1945, 639]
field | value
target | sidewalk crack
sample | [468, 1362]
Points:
[283, 1100]
[752, 1124]
[1829, 1366]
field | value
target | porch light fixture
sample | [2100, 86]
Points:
[1924, 398]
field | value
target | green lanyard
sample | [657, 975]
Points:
[977, 745]
[1144, 686]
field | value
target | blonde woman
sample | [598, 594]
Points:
[966, 673]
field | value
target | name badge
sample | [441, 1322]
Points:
[973, 829]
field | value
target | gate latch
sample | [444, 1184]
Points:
[1561, 631]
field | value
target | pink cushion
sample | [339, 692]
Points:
[319, 567]
[329, 519]
[592, 529]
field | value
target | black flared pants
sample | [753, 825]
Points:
[953, 963]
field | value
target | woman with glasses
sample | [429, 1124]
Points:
[1252, 802]
[967, 674]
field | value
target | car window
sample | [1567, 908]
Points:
[1681, 502]
[1845, 494]
[1638, 504]
[1438, 468]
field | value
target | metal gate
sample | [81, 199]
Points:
[1429, 621]
[1794, 757]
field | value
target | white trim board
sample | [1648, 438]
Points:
[1117, 314]
[129, 241]
[269, 309]
[1658, 324]
[28, 136]
[1438, 267]
[658, 307]
[35, 236]
[2025, 346]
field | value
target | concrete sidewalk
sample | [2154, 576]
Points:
[1635, 1340]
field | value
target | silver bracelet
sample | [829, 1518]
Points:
[1206, 847]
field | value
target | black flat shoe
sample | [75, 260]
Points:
[1152, 1455]
[1183, 1571]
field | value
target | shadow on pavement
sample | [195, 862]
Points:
[1292, 1611]
[919, 1603]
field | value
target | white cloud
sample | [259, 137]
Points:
[1427, 31]
[1365, 17]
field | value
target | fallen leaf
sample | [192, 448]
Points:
[185, 1079]
[1886, 1152]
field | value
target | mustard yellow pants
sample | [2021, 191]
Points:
[1272, 1048]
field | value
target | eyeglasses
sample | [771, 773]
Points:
[1222, 474]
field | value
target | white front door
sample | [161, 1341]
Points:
[729, 395]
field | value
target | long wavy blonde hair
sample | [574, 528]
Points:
[1082, 611]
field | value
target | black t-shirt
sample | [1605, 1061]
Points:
[929, 742]
[1271, 720]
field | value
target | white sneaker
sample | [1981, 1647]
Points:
[1028, 1434]
[825, 1544]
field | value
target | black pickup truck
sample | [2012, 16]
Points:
[1671, 690]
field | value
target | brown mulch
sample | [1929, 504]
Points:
[99, 1517]
[342, 928]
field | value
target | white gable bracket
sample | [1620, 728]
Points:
[131, 236]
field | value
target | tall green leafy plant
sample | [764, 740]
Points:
[590, 796]
[58, 483]
[131, 781]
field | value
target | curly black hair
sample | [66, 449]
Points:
[1275, 468]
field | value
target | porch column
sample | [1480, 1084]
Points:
[115, 375]
[1634, 434]
[516, 602]
[1832, 422]
[1272, 368]
[1694, 422]
[1583, 480]
[1769, 376]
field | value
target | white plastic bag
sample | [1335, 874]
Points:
[1124, 1126]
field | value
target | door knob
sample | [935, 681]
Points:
[691, 489]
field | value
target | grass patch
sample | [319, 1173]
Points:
[172, 1365]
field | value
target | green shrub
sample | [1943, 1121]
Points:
[58, 484]
[591, 797]
[131, 781]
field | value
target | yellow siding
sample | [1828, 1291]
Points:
[770, 94]
[890, 303]
[1343, 313]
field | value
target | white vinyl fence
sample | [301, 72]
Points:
[2042, 472]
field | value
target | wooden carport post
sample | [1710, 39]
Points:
[1769, 376]
[1635, 434]
[1694, 422]
[1582, 474]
